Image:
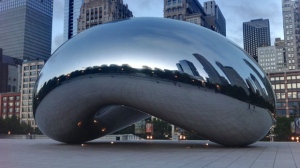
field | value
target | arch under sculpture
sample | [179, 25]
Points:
[118, 73]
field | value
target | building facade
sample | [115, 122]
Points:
[71, 15]
[30, 72]
[287, 89]
[10, 73]
[291, 22]
[26, 28]
[272, 58]
[267, 58]
[95, 12]
[10, 105]
[256, 33]
[192, 11]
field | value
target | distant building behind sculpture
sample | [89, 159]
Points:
[215, 17]
[95, 12]
[291, 22]
[26, 28]
[256, 33]
[10, 73]
[192, 11]
[71, 16]
[273, 58]
[286, 85]
[30, 71]
[9, 104]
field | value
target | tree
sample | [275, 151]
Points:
[161, 129]
[282, 129]
[13, 125]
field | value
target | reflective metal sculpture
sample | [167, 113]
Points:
[115, 74]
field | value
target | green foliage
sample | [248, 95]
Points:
[161, 129]
[282, 129]
[14, 126]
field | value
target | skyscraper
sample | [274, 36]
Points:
[290, 13]
[95, 12]
[72, 13]
[215, 17]
[256, 33]
[26, 28]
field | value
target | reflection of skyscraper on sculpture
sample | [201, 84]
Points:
[233, 77]
[263, 91]
[188, 68]
[258, 86]
[213, 75]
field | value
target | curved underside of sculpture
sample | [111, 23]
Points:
[113, 75]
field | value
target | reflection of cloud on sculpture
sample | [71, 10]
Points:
[199, 91]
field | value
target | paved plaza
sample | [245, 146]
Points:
[43, 153]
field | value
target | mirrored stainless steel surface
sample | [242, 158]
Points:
[115, 74]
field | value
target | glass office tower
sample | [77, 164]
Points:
[26, 28]
[72, 13]
[256, 33]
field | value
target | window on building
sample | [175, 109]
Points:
[294, 95]
[33, 73]
[180, 17]
[26, 68]
[278, 95]
[290, 94]
[281, 113]
[33, 67]
[26, 74]
[9, 88]
[282, 95]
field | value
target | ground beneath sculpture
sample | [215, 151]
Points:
[99, 153]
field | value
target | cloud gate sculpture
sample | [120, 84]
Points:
[113, 75]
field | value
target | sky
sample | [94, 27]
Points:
[235, 12]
